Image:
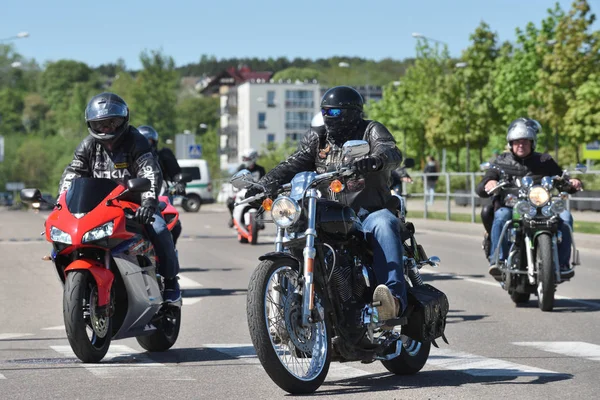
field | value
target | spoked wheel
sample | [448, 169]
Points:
[412, 358]
[295, 357]
[88, 331]
[166, 333]
[545, 272]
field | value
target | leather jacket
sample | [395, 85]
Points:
[316, 152]
[131, 158]
[168, 164]
[537, 165]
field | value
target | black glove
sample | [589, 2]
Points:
[180, 189]
[368, 164]
[145, 214]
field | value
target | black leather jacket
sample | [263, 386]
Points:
[132, 158]
[371, 191]
[537, 165]
[168, 164]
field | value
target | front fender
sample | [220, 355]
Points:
[104, 277]
[276, 255]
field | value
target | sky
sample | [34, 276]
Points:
[100, 32]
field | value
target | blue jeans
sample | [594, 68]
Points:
[504, 214]
[383, 234]
[168, 264]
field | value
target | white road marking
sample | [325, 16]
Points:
[54, 328]
[6, 336]
[246, 353]
[2, 376]
[187, 283]
[475, 365]
[572, 349]
[188, 301]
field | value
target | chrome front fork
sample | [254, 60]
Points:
[309, 253]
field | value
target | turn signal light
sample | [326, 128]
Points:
[336, 186]
[267, 204]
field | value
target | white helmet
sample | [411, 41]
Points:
[248, 157]
[524, 128]
[317, 120]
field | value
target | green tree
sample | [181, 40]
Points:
[583, 117]
[194, 111]
[11, 108]
[297, 74]
[34, 112]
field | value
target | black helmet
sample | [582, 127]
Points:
[107, 117]
[524, 128]
[342, 108]
[150, 134]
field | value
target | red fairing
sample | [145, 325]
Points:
[170, 213]
[104, 277]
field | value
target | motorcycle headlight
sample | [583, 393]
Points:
[285, 212]
[56, 235]
[538, 196]
[546, 211]
[558, 206]
[523, 207]
[99, 232]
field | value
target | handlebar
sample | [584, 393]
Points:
[130, 215]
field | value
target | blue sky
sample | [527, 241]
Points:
[98, 32]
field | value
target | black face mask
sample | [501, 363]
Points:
[341, 128]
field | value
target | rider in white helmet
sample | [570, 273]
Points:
[248, 160]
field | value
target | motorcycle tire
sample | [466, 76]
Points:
[166, 334]
[411, 360]
[78, 291]
[545, 272]
[519, 298]
[265, 345]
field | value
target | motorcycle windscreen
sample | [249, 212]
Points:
[86, 193]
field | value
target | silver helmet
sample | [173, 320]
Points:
[524, 128]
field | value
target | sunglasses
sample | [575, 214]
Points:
[331, 112]
[107, 124]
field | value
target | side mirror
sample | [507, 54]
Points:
[241, 179]
[581, 168]
[183, 177]
[139, 185]
[485, 166]
[353, 149]
[31, 195]
[409, 163]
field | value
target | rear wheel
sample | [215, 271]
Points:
[191, 203]
[412, 358]
[88, 331]
[167, 331]
[519, 298]
[545, 272]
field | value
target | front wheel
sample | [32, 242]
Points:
[166, 333]
[89, 333]
[412, 358]
[191, 203]
[296, 357]
[519, 298]
[545, 272]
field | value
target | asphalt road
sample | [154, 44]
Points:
[496, 350]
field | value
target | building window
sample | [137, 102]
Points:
[298, 120]
[271, 98]
[270, 138]
[262, 120]
[293, 137]
[299, 99]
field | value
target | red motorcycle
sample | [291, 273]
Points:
[108, 267]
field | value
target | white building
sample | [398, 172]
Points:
[256, 114]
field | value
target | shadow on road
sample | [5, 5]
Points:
[568, 305]
[212, 292]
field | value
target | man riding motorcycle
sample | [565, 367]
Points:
[520, 161]
[368, 194]
[248, 161]
[169, 167]
[115, 150]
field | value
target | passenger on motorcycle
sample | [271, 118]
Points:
[169, 167]
[248, 161]
[115, 150]
[520, 161]
[368, 194]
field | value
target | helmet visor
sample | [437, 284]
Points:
[331, 112]
[107, 125]
[246, 159]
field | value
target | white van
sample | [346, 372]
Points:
[199, 190]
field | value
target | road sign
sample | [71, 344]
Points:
[591, 151]
[15, 186]
[195, 151]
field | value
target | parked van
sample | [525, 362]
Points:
[199, 190]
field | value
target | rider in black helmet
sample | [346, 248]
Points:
[169, 167]
[367, 193]
[115, 150]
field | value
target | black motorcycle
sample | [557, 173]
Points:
[311, 301]
[532, 264]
